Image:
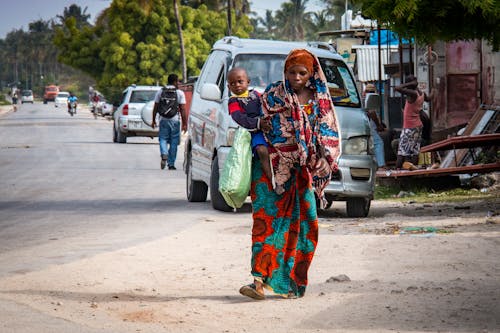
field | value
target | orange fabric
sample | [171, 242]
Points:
[302, 58]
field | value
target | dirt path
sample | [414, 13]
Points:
[411, 268]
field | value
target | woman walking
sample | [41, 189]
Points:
[303, 149]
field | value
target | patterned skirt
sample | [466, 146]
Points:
[409, 141]
[285, 231]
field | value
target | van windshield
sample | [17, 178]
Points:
[263, 69]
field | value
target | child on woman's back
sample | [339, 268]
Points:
[245, 108]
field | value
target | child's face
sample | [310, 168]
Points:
[297, 76]
[238, 82]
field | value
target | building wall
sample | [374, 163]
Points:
[490, 78]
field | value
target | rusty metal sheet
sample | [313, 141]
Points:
[463, 141]
[463, 57]
[463, 101]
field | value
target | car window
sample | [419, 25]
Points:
[27, 93]
[142, 96]
[212, 71]
[340, 82]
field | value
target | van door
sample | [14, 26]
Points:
[203, 116]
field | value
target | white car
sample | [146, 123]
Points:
[104, 108]
[27, 96]
[127, 119]
[61, 99]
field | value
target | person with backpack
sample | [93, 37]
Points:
[169, 102]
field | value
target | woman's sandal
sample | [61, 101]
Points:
[250, 290]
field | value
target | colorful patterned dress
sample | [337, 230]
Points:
[285, 226]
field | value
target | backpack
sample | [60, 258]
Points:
[168, 105]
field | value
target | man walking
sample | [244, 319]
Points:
[169, 101]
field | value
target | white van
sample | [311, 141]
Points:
[211, 129]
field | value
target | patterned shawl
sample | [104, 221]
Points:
[300, 136]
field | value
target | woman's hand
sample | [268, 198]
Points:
[322, 167]
[265, 124]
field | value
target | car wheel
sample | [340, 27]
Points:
[217, 199]
[358, 207]
[120, 137]
[196, 191]
[114, 134]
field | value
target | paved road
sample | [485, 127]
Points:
[70, 192]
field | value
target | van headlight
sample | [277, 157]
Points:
[357, 146]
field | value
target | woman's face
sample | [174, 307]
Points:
[297, 76]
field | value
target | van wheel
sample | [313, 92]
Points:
[217, 199]
[120, 137]
[328, 203]
[196, 191]
[358, 207]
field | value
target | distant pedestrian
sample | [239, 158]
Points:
[14, 96]
[170, 125]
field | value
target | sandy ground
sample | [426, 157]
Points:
[445, 279]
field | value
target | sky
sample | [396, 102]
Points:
[18, 14]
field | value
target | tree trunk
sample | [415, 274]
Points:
[229, 19]
[181, 41]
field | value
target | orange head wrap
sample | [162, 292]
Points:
[300, 57]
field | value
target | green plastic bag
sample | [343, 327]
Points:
[234, 183]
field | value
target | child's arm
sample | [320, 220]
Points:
[240, 117]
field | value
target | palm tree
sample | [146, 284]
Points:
[291, 17]
[269, 22]
[319, 21]
[81, 17]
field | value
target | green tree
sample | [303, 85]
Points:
[428, 20]
[75, 11]
[336, 8]
[138, 42]
[318, 21]
[269, 24]
[290, 18]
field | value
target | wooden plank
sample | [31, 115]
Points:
[469, 130]
[468, 169]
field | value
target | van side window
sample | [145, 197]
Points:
[212, 71]
[221, 80]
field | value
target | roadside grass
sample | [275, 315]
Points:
[3, 100]
[423, 195]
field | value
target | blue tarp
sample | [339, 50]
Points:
[386, 37]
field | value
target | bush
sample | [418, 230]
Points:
[3, 100]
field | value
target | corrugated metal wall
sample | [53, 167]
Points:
[367, 61]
